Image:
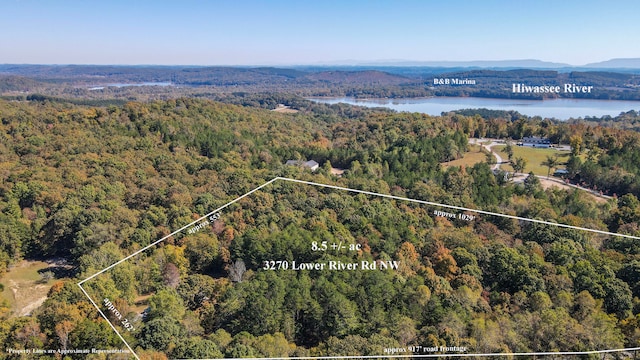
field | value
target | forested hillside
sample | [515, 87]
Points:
[93, 184]
[90, 81]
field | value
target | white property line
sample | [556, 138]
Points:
[177, 231]
[110, 324]
[149, 246]
[575, 353]
[458, 208]
[372, 194]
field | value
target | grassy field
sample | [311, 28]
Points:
[534, 158]
[470, 158]
[22, 287]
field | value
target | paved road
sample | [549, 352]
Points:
[489, 144]
[519, 177]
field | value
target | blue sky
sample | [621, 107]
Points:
[280, 32]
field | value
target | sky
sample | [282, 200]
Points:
[287, 32]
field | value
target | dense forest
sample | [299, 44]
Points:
[93, 183]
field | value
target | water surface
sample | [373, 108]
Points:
[553, 108]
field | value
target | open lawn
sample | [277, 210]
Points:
[534, 157]
[470, 158]
[24, 289]
[140, 304]
[285, 109]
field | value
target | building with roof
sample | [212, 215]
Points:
[536, 142]
[311, 164]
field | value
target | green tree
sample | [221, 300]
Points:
[627, 212]
[532, 184]
[202, 252]
[509, 270]
[197, 289]
[486, 190]
[166, 303]
[91, 334]
[273, 346]
[630, 273]
[576, 145]
[242, 346]
[508, 149]
[519, 164]
[160, 333]
[489, 158]
[551, 162]
[574, 165]
[196, 348]
[618, 299]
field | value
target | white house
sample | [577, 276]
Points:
[536, 142]
[311, 164]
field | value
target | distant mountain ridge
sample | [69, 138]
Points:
[349, 80]
[192, 76]
[628, 63]
[524, 63]
[71, 69]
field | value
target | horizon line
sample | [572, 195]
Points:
[347, 62]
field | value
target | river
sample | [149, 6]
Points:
[121, 85]
[561, 109]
